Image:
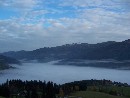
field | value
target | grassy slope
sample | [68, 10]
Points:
[124, 90]
[91, 94]
[2, 97]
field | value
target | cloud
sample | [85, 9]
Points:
[40, 26]
[91, 26]
[19, 4]
[4, 3]
[87, 3]
[115, 5]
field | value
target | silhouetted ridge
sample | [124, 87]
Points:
[105, 50]
[127, 41]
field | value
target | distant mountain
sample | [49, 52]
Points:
[8, 60]
[5, 61]
[105, 50]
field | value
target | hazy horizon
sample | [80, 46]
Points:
[55, 46]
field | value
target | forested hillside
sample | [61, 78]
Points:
[40, 89]
[105, 50]
[5, 61]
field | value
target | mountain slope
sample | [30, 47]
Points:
[105, 50]
[8, 60]
[5, 61]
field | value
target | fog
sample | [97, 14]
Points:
[62, 73]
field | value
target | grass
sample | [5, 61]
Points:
[92, 94]
[122, 90]
[2, 97]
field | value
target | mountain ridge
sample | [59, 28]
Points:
[104, 50]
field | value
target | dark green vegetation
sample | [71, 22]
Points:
[28, 89]
[105, 50]
[5, 61]
[84, 89]
[2, 97]
[91, 94]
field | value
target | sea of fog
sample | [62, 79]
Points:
[62, 73]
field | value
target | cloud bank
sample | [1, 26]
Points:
[31, 24]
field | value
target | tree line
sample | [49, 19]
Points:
[43, 89]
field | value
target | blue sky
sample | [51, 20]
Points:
[31, 24]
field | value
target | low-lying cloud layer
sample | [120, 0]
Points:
[31, 24]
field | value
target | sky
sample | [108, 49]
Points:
[32, 24]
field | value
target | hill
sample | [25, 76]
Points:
[77, 89]
[105, 50]
[5, 61]
[91, 94]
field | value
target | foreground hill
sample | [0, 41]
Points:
[77, 89]
[105, 50]
[91, 94]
